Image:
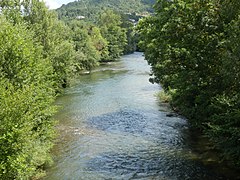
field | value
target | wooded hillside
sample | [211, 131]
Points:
[91, 8]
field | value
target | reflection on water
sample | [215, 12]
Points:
[112, 127]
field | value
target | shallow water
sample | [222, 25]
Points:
[112, 127]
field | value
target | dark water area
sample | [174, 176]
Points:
[111, 126]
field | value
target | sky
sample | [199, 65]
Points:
[54, 4]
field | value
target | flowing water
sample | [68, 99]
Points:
[111, 126]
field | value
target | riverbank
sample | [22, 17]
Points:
[201, 145]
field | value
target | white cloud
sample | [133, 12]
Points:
[53, 4]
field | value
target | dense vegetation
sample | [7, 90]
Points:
[192, 46]
[93, 11]
[91, 8]
[194, 50]
[39, 54]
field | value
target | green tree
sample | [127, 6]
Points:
[27, 94]
[224, 122]
[12, 10]
[98, 41]
[111, 30]
[87, 56]
[128, 25]
[54, 37]
[192, 47]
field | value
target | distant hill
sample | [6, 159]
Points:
[90, 8]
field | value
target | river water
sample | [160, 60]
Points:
[111, 126]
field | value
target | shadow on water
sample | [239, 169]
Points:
[149, 124]
[168, 158]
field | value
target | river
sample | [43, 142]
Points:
[111, 126]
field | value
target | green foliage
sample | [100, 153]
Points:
[62, 59]
[94, 10]
[26, 130]
[165, 97]
[38, 56]
[91, 8]
[128, 25]
[26, 97]
[11, 9]
[21, 60]
[193, 48]
[87, 54]
[98, 41]
[53, 36]
[111, 30]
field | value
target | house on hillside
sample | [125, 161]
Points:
[80, 17]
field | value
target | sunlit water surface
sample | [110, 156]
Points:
[111, 126]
